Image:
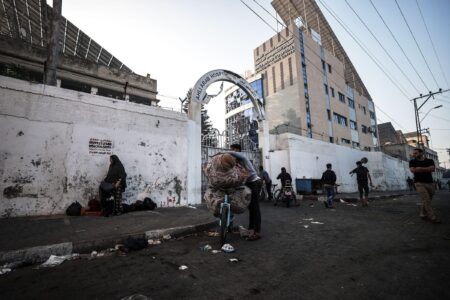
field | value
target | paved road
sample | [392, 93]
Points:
[381, 252]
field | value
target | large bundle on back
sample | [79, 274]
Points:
[226, 176]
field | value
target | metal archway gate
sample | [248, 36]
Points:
[199, 96]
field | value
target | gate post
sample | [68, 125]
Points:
[194, 179]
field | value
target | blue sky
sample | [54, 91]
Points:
[177, 41]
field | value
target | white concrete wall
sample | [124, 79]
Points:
[305, 157]
[44, 150]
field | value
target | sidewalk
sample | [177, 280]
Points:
[354, 197]
[34, 239]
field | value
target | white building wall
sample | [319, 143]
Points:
[45, 163]
[305, 157]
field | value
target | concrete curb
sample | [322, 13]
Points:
[352, 199]
[40, 254]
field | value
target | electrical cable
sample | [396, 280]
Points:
[432, 44]
[420, 50]
[363, 47]
[311, 62]
[398, 44]
[384, 49]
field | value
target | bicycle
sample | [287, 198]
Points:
[285, 194]
[226, 219]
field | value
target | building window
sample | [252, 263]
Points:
[372, 115]
[271, 43]
[345, 141]
[351, 103]
[279, 37]
[355, 144]
[331, 139]
[323, 65]
[266, 84]
[364, 109]
[274, 82]
[332, 91]
[340, 119]
[264, 47]
[329, 115]
[329, 68]
[364, 129]
[353, 125]
[282, 75]
[287, 31]
[326, 88]
[291, 77]
[341, 97]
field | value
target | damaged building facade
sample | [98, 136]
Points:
[56, 140]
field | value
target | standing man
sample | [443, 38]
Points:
[410, 183]
[284, 177]
[254, 183]
[362, 178]
[329, 181]
[267, 181]
[422, 168]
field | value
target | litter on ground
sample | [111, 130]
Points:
[55, 260]
[342, 201]
[206, 248]
[182, 268]
[167, 236]
[317, 223]
[234, 259]
[227, 248]
[215, 251]
[310, 219]
[212, 233]
[3, 271]
[154, 242]
[243, 232]
[306, 226]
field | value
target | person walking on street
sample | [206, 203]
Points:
[422, 168]
[254, 183]
[267, 181]
[329, 181]
[410, 183]
[284, 177]
[362, 178]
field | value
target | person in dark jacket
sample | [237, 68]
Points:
[113, 184]
[329, 182]
[362, 178]
[284, 177]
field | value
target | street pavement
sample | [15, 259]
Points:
[384, 251]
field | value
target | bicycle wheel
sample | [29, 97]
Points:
[223, 224]
[276, 196]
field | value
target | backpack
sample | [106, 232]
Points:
[74, 209]
[149, 204]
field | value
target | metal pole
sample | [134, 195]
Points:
[416, 114]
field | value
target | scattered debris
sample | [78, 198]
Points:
[215, 251]
[182, 268]
[154, 242]
[351, 204]
[193, 207]
[167, 236]
[206, 248]
[94, 253]
[317, 223]
[134, 244]
[228, 248]
[310, 219]
[55, 260]
[342, 201]
[234, 259]
[243, 232]
[3, 271]
[306, 226]
[212, 233]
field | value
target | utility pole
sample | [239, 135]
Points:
[53, 47]
[416, 112]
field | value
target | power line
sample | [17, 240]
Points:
[379, 43]
[312, 51]
[440, 118]
[420, 50]
[363, 47]
[398, 44]
[431, 40]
